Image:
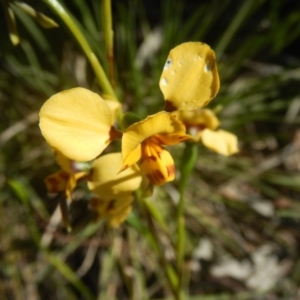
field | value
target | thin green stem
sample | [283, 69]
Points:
[190, 156]
[62, 198]
[108, 37]
[69, 22]
[180, 231]
[170, 273]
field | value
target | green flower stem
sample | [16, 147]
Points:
[167, 267]
[190, 156]
[69, 22]
[108, 37]
[64, 211]
[170, 274]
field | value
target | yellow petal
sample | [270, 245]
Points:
[220, 141]
[160, 169]
[190, 77]
[77, 123]
[163, 124]
[105, 180]
[202, 118]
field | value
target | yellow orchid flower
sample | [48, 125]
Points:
[203, 124]
[64, 180]
[78, 123]
[145, 140]
[114, 190]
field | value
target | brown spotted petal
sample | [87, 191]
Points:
[159, 169]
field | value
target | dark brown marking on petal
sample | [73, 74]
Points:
[111, 206]
[94, 202]
[52, 184]
[114, 133]
[90, 174]
[150, 178]
[169, 106]
[51, 180]
[158, 175]
[171, 170]
[152, 158]
[64, 175]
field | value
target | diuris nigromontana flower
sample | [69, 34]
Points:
[203, 124]
[145, 141]
[78, 123]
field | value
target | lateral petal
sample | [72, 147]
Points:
[220, 141]
[76, 122]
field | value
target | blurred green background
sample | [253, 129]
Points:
[242, 212]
